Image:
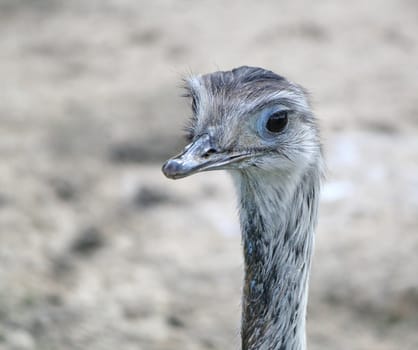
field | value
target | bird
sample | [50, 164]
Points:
[259, 126]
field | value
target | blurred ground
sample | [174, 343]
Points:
[99, 251]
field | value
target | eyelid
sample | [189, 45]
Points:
[266, 113]
[271, 108]
[287, 111]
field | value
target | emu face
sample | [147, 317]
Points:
[247, 118]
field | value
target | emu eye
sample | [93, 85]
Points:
[277, 121]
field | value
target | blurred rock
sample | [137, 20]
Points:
[145, 37]
[142, 151]
[130, 153]
[64, 189]
[381, 127]
[148, 197]
[175, 321]
[88, 241]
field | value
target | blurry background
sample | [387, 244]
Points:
[99, 251]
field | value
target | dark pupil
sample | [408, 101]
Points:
[277, 121]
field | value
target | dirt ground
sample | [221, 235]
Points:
[99, 251]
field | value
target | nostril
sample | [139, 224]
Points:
[209, 152]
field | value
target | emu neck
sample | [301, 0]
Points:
[278, 216]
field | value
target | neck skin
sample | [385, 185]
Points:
[278, 216]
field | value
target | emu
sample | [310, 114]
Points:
[260, 127]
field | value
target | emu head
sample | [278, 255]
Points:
[247, 119]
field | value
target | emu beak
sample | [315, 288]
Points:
[199, 156]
